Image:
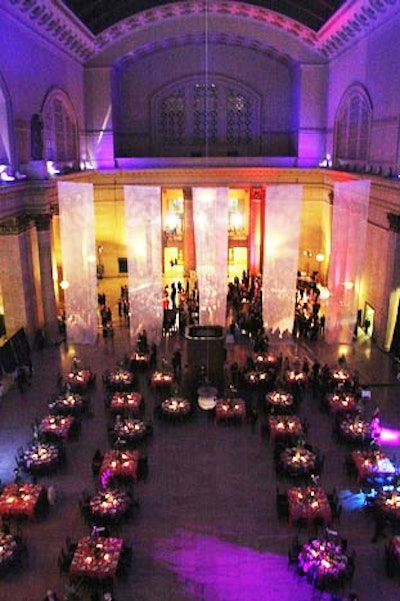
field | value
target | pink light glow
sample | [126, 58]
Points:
[214, 570]
[390, 436]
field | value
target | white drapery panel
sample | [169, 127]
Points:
[210, 210]
[78, 261]
[349, 228]
[143, 235]
[281, 255]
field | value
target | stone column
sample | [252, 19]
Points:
[16, 276]
[43, 227]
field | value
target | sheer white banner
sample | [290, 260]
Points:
[281, 255]
[349, 228]
[78, 261]
[144, 235]
[210, 209]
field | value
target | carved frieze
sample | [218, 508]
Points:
[353, 21]
[15, 225]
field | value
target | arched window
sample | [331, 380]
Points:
[60, 131]
[353, 126]
[7, 146]
[219, 117]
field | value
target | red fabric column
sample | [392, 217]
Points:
[189, 249]
[257, 210]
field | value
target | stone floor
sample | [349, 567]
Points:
[207, 528]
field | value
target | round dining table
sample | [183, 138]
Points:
[298, 460]
[176, 408]
[67, 404]
[9, 552]
[42, 458]
[109, 505]
[119, 380]
[323, 560]
[126, 402]
[354, 429]
[130, 429]
[388, 503]
[280, 402]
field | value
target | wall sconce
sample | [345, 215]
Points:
[320, 257]
[348, 285]
[64, 284]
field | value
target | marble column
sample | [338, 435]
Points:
[43, 227]
[16, 276]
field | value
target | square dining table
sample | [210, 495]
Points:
[21, 499]
[119, 464]
[308, 502]
[96, 557]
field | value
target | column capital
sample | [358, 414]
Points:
[43, 222]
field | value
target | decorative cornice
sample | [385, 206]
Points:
[222, 38]
[394, 222]
[180, 10]
[56, 23]
[352, 21]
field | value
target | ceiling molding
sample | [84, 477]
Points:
[179, 10]
[57, 24]
[352, 21]
[222, 38]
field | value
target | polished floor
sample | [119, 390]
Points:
[207, 527]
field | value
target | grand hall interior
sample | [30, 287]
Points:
[199, 300]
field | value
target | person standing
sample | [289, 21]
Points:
[51, 596]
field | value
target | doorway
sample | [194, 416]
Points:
[369, 316]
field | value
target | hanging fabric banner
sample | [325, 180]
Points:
[210, 209]
[144, 235]
[281, 256]
[349, 228]
[78, 261]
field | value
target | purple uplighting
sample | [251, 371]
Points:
[390, 437]
[216, 570]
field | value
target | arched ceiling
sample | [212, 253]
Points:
[99, 15]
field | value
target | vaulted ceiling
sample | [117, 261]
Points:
[98, 15]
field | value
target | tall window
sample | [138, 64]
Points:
[353, 125]
[205, 117]
[6, 139]
[60, 132]
[220, 116]
[172, 118]
[238, 111]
